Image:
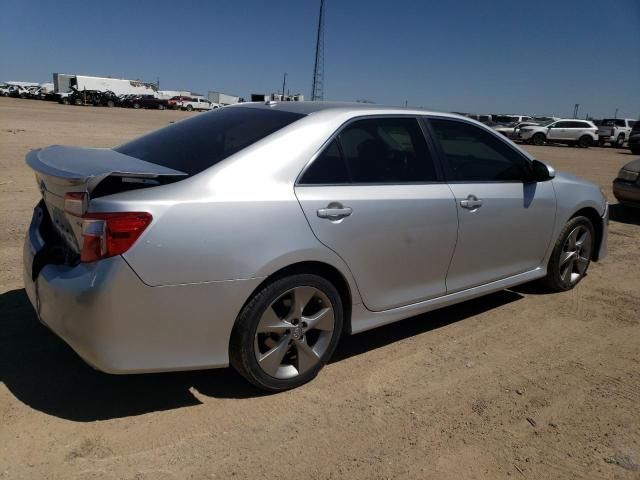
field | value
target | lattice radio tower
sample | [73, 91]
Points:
[317, 88]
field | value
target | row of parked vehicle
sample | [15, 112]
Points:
[24, 91]
[539, 130]
[110, 99]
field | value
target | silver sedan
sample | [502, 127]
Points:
[256, 235]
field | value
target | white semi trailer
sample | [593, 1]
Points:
[63, 83]
[223, 99]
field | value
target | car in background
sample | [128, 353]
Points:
[480, 117]
[544, 119]
[91, 97]
[634, 139]
[197, 103]
[4, 90]
[176, 102]
[506, 119]
[146, 101]
[512, 130]
[258, 235]
[626, 187]
[568, 131]
[615, 131]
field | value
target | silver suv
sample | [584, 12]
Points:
[569, 131]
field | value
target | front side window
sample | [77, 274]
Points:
[387, 150]
[475, 155]
[374, 151]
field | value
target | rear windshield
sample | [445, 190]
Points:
[194, 145]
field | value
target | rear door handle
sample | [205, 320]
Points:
[334, 211]
[471, 203]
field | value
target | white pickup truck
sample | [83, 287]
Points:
[615, 131]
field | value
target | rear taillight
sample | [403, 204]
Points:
[107, 234]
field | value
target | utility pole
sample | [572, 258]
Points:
[615, 115]
[317, 88]
[158, 83]
[284, 82]
[575, 110]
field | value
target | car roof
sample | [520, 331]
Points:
[308, 108]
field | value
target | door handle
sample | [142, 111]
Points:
[334, 211]
[472, 203]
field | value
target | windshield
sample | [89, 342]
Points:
[194, 145]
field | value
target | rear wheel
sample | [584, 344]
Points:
[538, 139]
[160, 106]
[136, 105]
[189, 108]
[619, 141]
[571, 255]
[110, 103]
[585, 141]
[287, 332]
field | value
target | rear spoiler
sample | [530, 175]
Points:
[80, 165]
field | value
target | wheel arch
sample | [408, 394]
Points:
[325, 270]
[593, 215]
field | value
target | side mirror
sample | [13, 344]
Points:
[542, 172]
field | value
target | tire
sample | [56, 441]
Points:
[571, 255]
[268, 328]
[136, 106]
[189, 108]
[65, 101]
[110, 103]
[160, 106]
[619, 141]
[77, 101]
[538, 139]
[585, 141]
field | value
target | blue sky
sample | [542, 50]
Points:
[468, 55]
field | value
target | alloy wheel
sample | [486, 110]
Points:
[294, 332]
[575, 255]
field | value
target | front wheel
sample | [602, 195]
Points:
[287, 332]
[189, 108]
[538, 139]
[619, 141]
[571, 255]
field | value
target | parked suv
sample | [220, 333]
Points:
[569, 131]
[615, 131]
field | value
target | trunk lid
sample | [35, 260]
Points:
[99, 171]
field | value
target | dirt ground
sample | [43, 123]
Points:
[520, 384]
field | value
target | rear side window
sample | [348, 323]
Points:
[374, 151]
[475, 155]
[327, 168]
[194, 145]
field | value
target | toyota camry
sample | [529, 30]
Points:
[257, 235]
